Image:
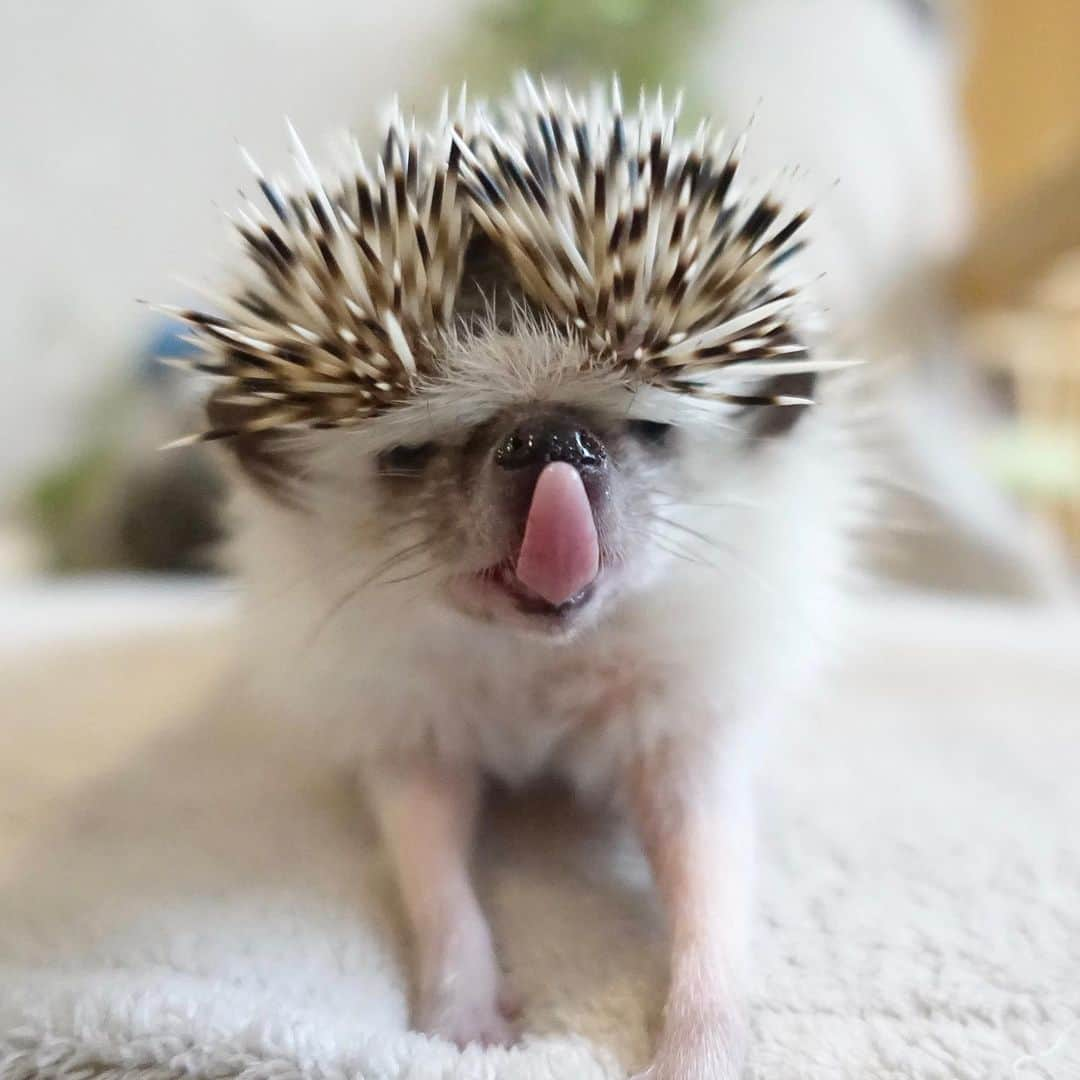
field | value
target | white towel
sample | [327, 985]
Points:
[211, 909]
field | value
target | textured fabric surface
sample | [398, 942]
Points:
[178, 900]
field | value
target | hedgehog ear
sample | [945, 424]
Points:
[263, 456]
[772, 421]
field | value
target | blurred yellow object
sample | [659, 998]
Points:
[1015, 245]
[1022, 91]
[1036, 347]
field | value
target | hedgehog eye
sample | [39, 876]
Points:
[650, 432]
[406, 460]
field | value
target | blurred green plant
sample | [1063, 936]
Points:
[646, 42]
[61, 499]
[57, 501]
[115, 503]
[1035, 461]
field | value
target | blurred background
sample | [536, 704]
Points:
[938, 140]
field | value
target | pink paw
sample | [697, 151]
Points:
[463, 1018]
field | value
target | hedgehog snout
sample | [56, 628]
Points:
[540, 440]
[529, 444]
[549, 471]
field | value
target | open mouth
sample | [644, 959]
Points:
[528, 602]
[557, 562]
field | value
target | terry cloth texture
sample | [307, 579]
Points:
[176, 900]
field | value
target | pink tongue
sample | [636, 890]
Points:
[560, 554]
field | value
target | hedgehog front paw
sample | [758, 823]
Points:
[465, 998]
[462, 1015]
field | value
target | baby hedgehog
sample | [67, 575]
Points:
[541, 476]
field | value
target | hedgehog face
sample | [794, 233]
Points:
[537, 516]
[522, 486]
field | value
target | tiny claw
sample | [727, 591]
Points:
[511, 1003]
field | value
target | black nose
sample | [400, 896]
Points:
[541, 440]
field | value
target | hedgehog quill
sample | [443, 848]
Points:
[541, 472]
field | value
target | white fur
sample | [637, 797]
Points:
[744, 625]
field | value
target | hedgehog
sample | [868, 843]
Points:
[542, 470]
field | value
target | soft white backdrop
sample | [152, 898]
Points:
[118, 123]
[119, 119]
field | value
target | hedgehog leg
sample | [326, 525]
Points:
[426, 813]
[692, 813]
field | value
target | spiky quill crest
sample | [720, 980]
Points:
[634, 240]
